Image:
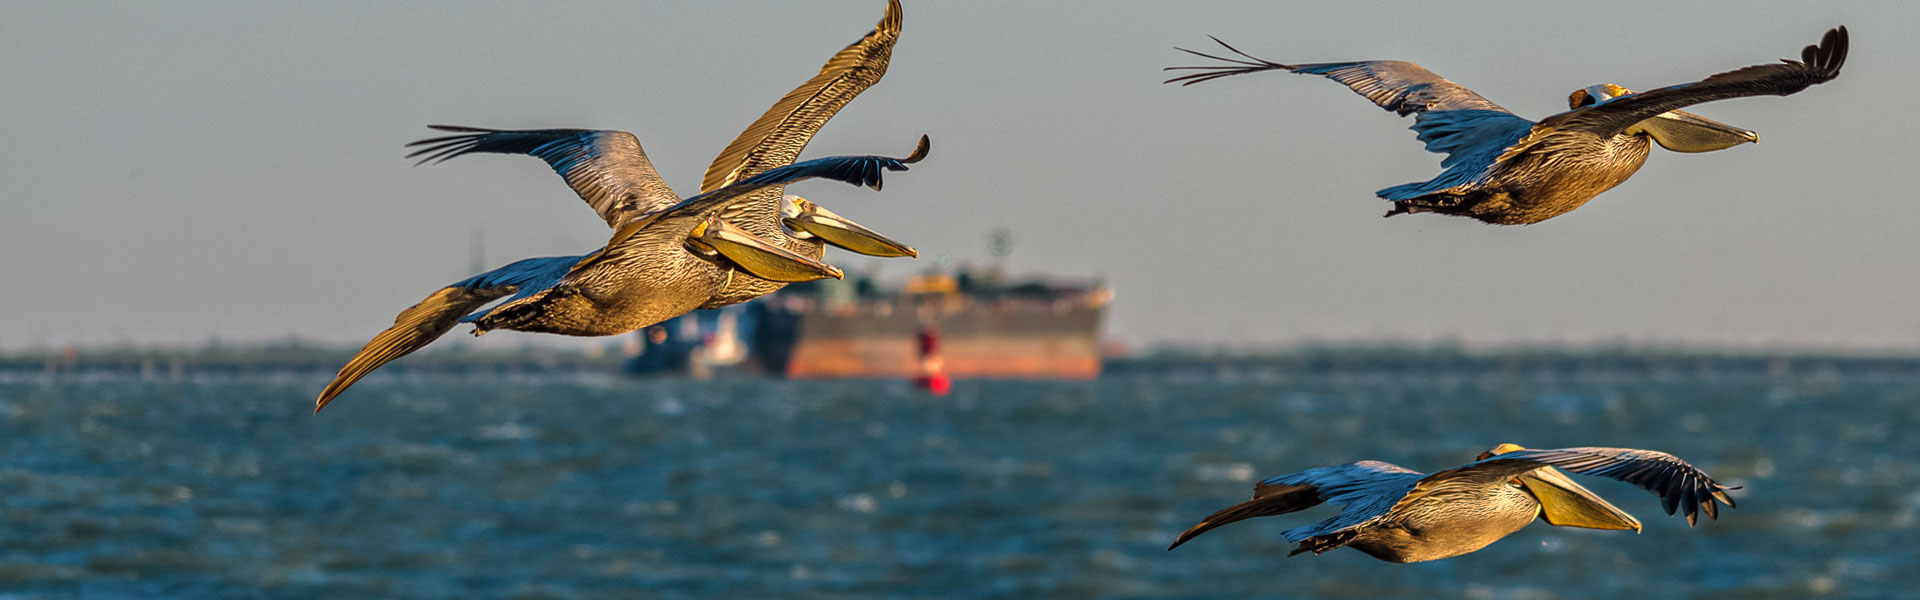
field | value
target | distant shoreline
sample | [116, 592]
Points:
[1262, 363]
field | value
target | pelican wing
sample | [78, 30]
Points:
[856, 170]
[1367, 489]
[1678, 484]
[1817, 64]
[777, 138]
[607, 168]
[433, 317]
[1449, 118]
[1402, 87]
[1395, 85]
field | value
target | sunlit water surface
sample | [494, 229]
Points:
[419, 486]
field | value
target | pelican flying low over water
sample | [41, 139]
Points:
[667, 256]
[1503, 169]
[1399, 515]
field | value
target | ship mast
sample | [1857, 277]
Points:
[999, 245]
[477, 251]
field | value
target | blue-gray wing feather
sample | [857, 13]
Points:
[1472, 139]
[1448, 118]
[607, 168]
[1400, 86]
[1366, 490]
[530, 276]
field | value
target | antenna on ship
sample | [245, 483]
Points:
[477, 251]
[999, 245]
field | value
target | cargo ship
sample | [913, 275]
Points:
[962, 323]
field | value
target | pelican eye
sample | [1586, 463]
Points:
[1580, 98]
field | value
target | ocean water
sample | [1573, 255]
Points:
[442, 486]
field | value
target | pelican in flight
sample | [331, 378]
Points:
[1503, 169]
[1400, 515]
[667, 256]
[751, 238]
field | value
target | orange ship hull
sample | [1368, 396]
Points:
[1024, 340]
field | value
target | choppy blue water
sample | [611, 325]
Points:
[601, 487]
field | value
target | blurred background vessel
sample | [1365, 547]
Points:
[966, 322]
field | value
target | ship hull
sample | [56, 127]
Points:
[934, 327]
[1036, 342]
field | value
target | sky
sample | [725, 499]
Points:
[185, 171]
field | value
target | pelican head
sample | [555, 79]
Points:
[809, 220]
[756, 255]
[1679, 131]
[1595, 94]
[1565, 503]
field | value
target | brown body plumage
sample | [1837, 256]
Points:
[1538, 186]
[639, 284]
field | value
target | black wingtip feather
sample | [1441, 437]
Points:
[437, 140]
[1829, 55]
[440, 149]
[463, 128]
[1235, 66]
[919, 152]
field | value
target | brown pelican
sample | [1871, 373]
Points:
[1400, 515]
[609, 170]
[1503, 169]
[776, 139]
[667, 256]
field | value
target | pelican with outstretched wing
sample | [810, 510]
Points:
[1503, 169]
[751, 240]
[667, 256]
[1400, 515]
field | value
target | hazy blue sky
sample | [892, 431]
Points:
[175, 171]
